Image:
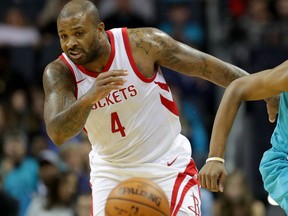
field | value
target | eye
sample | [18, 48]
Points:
[63, 37]
[79, 34]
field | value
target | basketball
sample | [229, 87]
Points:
[137, 196]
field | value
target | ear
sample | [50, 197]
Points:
[101, 27]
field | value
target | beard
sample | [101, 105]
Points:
[90, 55]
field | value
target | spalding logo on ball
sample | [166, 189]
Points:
[137, 197]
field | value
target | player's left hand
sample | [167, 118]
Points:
[212, 176]
[272, 105]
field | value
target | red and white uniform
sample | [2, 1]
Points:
[135, 131]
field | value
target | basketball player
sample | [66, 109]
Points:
[110, 84]
[274, 164]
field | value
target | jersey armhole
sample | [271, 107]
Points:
[132, 61]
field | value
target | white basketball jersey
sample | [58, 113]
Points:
[135, 124]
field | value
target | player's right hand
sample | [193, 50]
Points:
[105, 83]
[212, 176]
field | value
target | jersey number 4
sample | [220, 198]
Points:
[116, 125]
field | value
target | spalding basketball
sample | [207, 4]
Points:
[137, 196]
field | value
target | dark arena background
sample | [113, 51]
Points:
[252, 34]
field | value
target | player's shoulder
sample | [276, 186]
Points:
[146, 33]
[56, 65]
[57, 68]
[153, 40]
[149, 30]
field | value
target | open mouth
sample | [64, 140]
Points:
[75, 54]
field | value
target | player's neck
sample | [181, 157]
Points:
[98, 64]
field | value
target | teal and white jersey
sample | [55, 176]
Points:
[279, 137]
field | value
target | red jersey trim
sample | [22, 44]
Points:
[163, 86]
[191, 170]
[176, 188]
[112, 55]
[132, 61]
[170, 105]
[186, 188]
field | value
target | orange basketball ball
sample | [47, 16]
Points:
[137, 196]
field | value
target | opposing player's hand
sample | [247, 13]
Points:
[272, 105]
[105, 83]
[212, 176]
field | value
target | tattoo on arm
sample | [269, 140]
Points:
[74, 118]
[67, 101]
[167, 52]
[64, 116]
[183, 58]
[140, 43]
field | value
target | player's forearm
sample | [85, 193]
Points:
[68, 123]
[223, 123]
[209, 68]
[222, 73]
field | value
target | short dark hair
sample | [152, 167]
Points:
[80, 6]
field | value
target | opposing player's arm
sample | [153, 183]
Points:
[177, 56]
[256, 86]
[64, 116]
[261, 85]
[252, 87]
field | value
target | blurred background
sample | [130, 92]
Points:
[38, 178]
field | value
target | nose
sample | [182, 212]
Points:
[71, 42]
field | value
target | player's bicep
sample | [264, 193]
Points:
[277, 78]
[180, 57]
[176, 55]
[58, 86]
[270, 82]
[256, 86]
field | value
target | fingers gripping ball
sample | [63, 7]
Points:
[137, 196]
